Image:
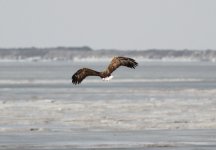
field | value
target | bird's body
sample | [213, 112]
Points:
[116, 62]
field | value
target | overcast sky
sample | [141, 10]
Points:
[121, 24]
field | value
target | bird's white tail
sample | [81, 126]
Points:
[107, 78]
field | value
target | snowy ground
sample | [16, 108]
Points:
[130, 140]
[152, 113]
[135, 124]
[166, 106]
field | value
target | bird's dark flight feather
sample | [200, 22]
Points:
[121, 61]
[82, 74]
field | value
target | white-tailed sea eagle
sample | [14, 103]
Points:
[116, 62]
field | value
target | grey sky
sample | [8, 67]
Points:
[122, 24]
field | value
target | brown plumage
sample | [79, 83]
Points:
[116, 62]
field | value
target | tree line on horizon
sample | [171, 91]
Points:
[69, 53]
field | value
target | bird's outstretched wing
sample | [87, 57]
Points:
[81, 74]
[121, 61]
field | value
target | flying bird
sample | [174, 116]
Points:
[116, 62]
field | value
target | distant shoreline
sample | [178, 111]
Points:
[87, 53]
